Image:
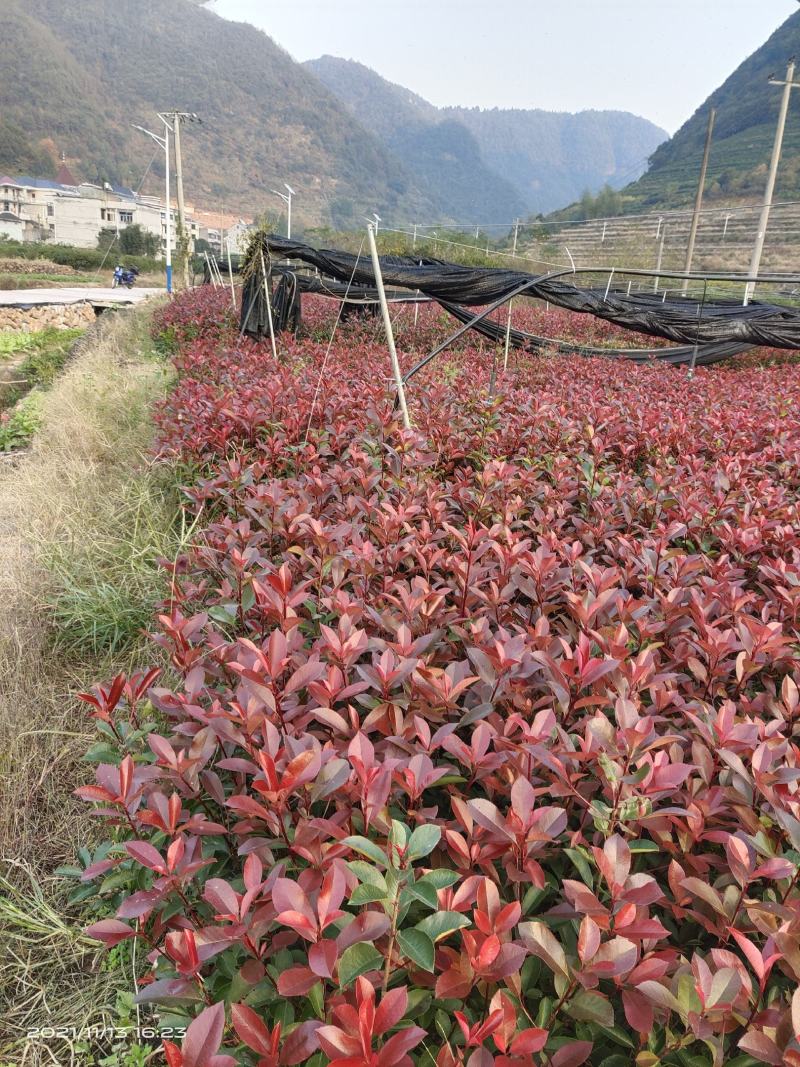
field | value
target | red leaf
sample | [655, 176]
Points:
[762, 1047]
[251, 1029]
[334, 1042]
[110, 932]
[301, 1044]
[572, 1055]
[296, 981]
[203, 1036]
[322, 958]
[528, 1041]
[638, 1011]
[398, 1045]
[172, 1054]
[367, 926]
[390, 1010]
[145, 854]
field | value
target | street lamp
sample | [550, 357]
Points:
[287, 199]
[164, 143]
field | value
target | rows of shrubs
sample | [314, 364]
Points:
[478, 743]
[84, 259]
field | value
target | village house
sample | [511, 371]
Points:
[72, 213]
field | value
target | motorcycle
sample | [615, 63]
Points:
[125, 277]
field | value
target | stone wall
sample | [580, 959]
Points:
[60, 316]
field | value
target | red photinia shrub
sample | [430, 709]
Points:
[480, 742]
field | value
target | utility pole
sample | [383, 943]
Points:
[184, 242]
[287, 199]
[183, 238]
[763, 221]
[698, 203]
[164, 143]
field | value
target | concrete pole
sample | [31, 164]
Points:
[183, 236]
[698, 202]
[168, 215]
[387, 322]
[763, 221]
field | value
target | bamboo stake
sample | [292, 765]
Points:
[387, 322]
[269, 307]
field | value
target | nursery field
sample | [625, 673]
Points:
[471, 744]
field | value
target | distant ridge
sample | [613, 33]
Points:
[508, 161]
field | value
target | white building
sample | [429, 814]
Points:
[75, 214]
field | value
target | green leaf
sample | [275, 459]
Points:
[367, 894]
[366, 873]
[357, 960]
[590, 1007]
[283, 1012]
[616, 1033]
[423, 841]
[102, 753]
[418, 1002]
[441, 878]
[545, 1008]
[450, 779]
[582, 865]
[316, 999]
[68, 872]
[366, 848]
[424, 892]
[398, 841]
[418, 947]
[223, 613]
[643, 846]
[442, 923]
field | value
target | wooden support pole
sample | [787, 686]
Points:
[269, 308]
[387, 322]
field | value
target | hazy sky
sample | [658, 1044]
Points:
[657, 58]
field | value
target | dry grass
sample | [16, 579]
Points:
[83, 518]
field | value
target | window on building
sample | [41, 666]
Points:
[126, 216]
[6, 206]
[52, 227]
[51, 210]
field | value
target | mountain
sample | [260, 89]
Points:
[487, 160]
[444, 157]
[77, 74]
[747, 111]
[553, 157]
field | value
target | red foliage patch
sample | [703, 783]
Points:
[481, 741]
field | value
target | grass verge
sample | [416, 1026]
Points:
[84, 518]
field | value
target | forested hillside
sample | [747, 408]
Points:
[540, 160]
[747, 110]
[76, 75]
[444, 157]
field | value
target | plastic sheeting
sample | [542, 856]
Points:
[685, 321]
